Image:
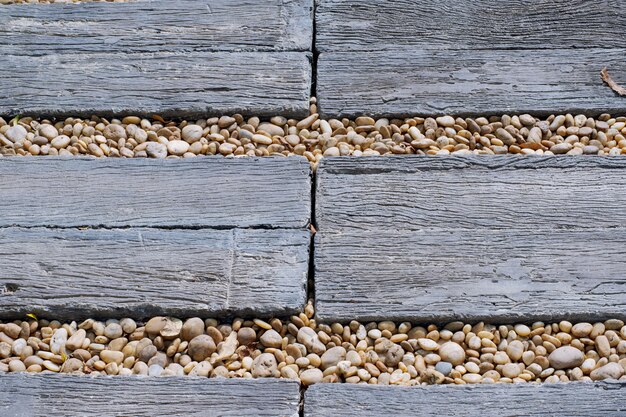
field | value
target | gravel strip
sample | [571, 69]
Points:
[315, 138]
[300, 349]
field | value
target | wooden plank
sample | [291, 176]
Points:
[438, 239]
[27, 395]
[470, 192]
[158, 26]
[173, 84]
[203, 192]
[404, 82]
[349, 25]
[505, 400]
[441, 275]
[71, 273]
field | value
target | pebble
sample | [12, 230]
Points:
[156, 150]
[177, 147]
[566, 357]
[452, 352]
[333, 356]
[191, 328]
[201, 347]
[192, 133]
[16, 134]
[264, 366]
[444, 368]
[609, 371]
[311, 376]
[271, 339]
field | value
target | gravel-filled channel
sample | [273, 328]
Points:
[314, 137]
[301, 349]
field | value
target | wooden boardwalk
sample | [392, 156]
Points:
[502, 239]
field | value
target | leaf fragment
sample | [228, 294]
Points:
[604, 74]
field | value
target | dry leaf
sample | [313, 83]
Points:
[612, 84]
[32, 316]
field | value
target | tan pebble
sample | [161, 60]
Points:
[311, 376]
[177, 147]
[452, 352]
[261, 139]
[60, 142]
[110, 356]
[427, 344]
[16, 366]
[262, 324]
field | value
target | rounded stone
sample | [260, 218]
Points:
[511, 370]
[201, 347]
[566, 357]
[48, 131]
[113, 331]
[452, 352]
[16, 134]
[156, 150]
[191, 328]
[611, 370]
[271, 339]
[443, 367]
[112, 356]
[192, 133]
[114, 132]
[246, 335]
[333, 356]
[427, 344]
[16, 366]
[264, 366]
[155, 325]
[60, 142]
[177, 147]
[311, 376]
[72, 365]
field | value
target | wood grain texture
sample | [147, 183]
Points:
[443, 275]
[23, 395]
[173, 84]
[71, 273]
[203, 192]
[347, 25]
[502, 400]
[403, 82]
[158, 26]
[496, 192]
[501, 239]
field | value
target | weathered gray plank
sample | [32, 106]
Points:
[565, 400]
[346, 25]
[438, 239]
[496, 192]
[444, 275]
[23, 395]
[203, 192]
[70, 273]
[177, 84]
[158, 26]
[403, 82]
